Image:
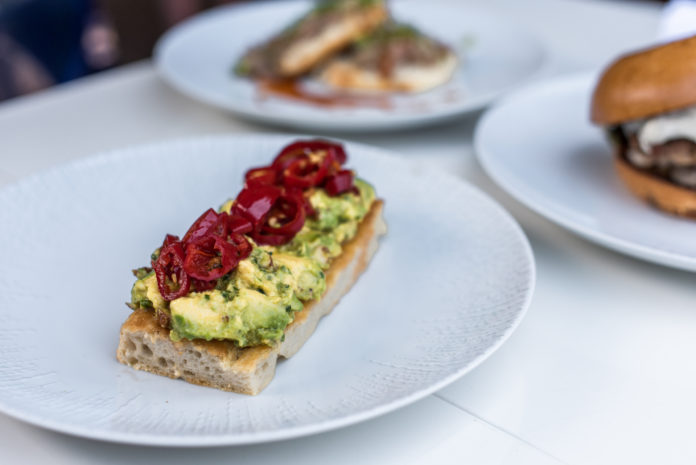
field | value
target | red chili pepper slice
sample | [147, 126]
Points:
[242, 245]
[170, 239]
[210, 258]
[201, 286]
[284, 220]
[304, 147]
[254, 203]
[238, 225]
[304, 173]
[339, 183]
[263, 176]
[210, 222]
[172, 280]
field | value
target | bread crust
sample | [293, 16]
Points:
[144, 345]
[658, 192]
[647, 83]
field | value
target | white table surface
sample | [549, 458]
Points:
[601, 371]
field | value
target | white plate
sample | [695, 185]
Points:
[197, 56]
[449, 284]
[540, 146]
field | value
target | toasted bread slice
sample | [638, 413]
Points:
[144, 345]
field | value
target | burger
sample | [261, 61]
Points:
[647, 103]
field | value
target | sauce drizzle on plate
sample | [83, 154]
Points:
[295, 90]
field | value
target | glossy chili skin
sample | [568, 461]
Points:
[173, 282]
[283, 221]
[339, 183]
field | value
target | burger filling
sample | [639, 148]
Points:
[664, 145]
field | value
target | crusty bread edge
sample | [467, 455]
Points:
[655, 191]
[144, 345]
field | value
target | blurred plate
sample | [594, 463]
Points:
[540, 146]
[419, 318]
[197, 57]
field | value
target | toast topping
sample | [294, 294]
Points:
[242, 273]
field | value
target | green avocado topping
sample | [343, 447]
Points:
[254, 303]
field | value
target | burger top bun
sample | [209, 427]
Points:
[647, 83]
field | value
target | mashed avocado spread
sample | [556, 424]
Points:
[254, 303]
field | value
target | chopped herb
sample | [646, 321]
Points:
[140, 273]
[227, 295]
[206, 296]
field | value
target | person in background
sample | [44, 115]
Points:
[47, 42]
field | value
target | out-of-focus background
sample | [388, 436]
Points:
[47, 42]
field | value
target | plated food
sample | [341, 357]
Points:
[352, 45]
[499, 54]
[249, 282]
[647, 102]
[360, 363]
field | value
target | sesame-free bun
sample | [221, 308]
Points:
[656, 191]
[647, 83]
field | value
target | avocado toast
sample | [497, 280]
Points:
[250, 282]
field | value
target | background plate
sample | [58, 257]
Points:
[197, 56]
[540, 146]
[446, 288]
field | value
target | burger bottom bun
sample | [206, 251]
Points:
[660, 193]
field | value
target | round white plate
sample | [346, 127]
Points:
[197, 57]
[540, 146]
[448, 285]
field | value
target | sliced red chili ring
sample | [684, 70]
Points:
[242, 244]
[210, 258]
[284, 220]
[254, 203]
[170, 239]
[304, 147]
[339, 183]
[238, 225]
[172, 280]
[210, 222]
[263, 176]
[303, 173]
[198, 285]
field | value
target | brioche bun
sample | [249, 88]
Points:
[657, 191]
[647, 83]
